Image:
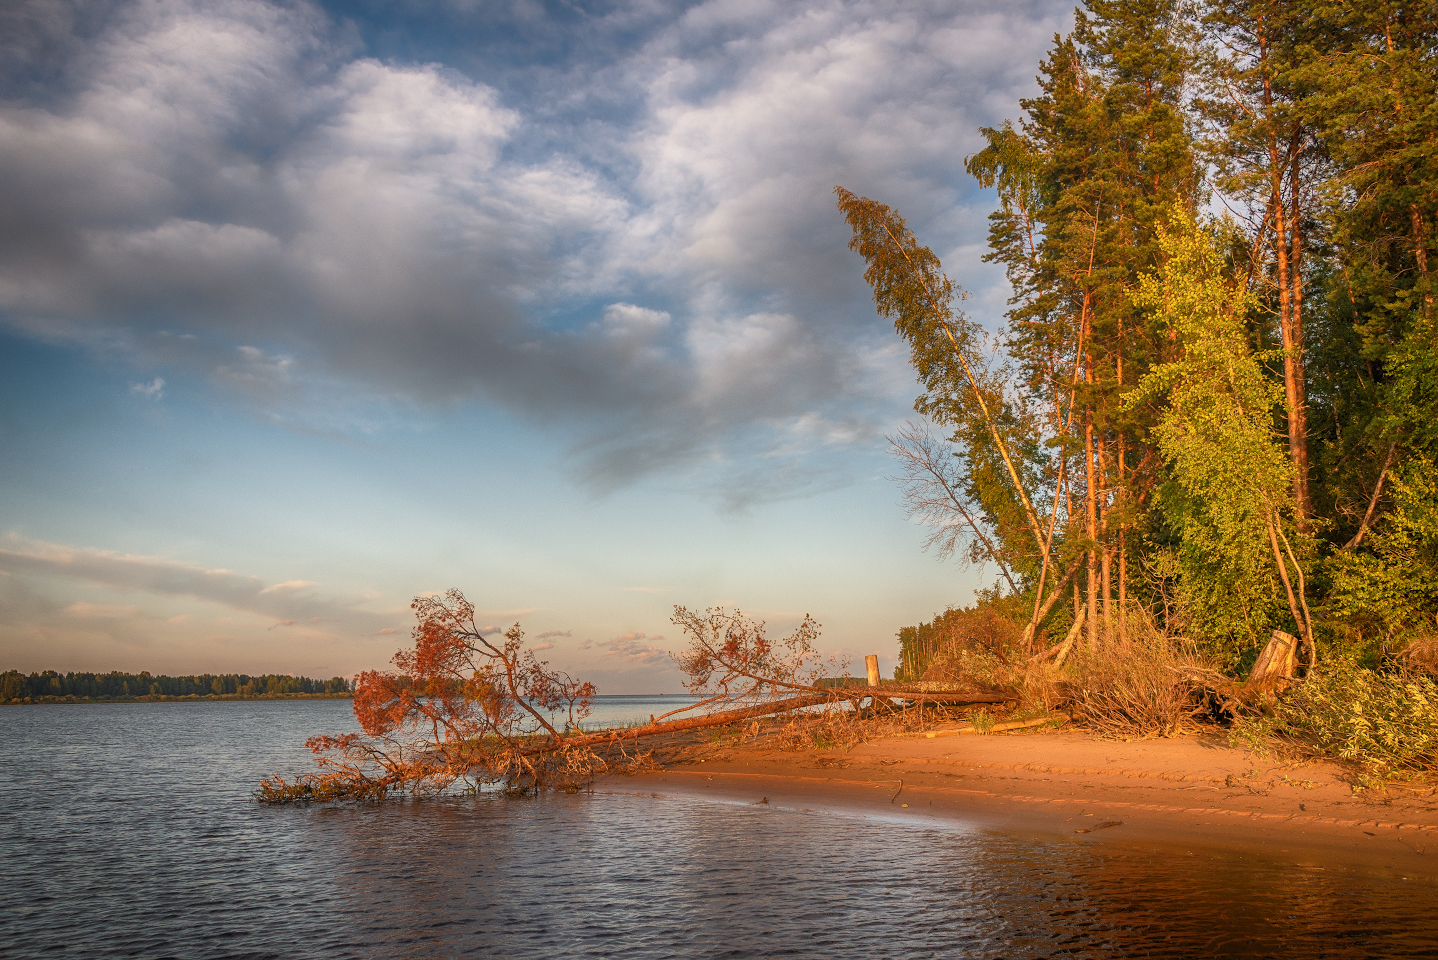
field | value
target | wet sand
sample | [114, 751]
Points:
[1184, 796]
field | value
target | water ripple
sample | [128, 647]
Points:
[128, 831]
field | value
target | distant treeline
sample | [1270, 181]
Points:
[49, 685]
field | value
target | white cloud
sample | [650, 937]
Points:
[632, 650]
[397, 116]
[154, 390]
[288, 586]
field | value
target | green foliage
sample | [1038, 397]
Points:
[976, 642]
[1410, 408]
[1229, 479]
[1372, 72]
[1139, 410]
[982, 720]
[1392, 585]
[1388, 723]
[1369, 73]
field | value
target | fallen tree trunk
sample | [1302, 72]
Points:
[953, 687]
[943, 691]
[955, 697]
[996, 728]
[695, 723]
[932, 691]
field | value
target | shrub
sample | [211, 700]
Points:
[1385, 722]
[1140, 685]
[968, 665]
[1391, 586]
[990, 629]
[1422, 656]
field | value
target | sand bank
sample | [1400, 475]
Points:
[1189, 792]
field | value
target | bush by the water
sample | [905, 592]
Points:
[1385, 722]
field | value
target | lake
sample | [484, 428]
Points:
[128, 830]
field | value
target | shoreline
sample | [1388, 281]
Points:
[1177, 797]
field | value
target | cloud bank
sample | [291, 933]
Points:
[636, 246]
[287, 604]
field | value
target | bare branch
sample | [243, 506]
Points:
[1373, 501]
[932, 495]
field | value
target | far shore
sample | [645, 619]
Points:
[1189, 795]
[189, 698]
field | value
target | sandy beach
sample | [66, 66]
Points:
[1182, 796]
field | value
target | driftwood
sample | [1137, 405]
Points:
[1273, 672]
[357, 785]
[995, 728]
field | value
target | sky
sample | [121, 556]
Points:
[307, 309]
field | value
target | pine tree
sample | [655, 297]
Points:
[1266, 156]
[1102, 154]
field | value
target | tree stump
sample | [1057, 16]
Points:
[1275, 668]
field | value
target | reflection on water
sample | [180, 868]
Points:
[128, 831]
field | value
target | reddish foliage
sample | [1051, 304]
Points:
[730, 658]
[460, 706]
[457, 706]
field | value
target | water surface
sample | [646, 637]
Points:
[128, 831]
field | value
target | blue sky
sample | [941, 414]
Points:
[308, 309]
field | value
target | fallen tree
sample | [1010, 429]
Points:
[459, 708]
[462, 710]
